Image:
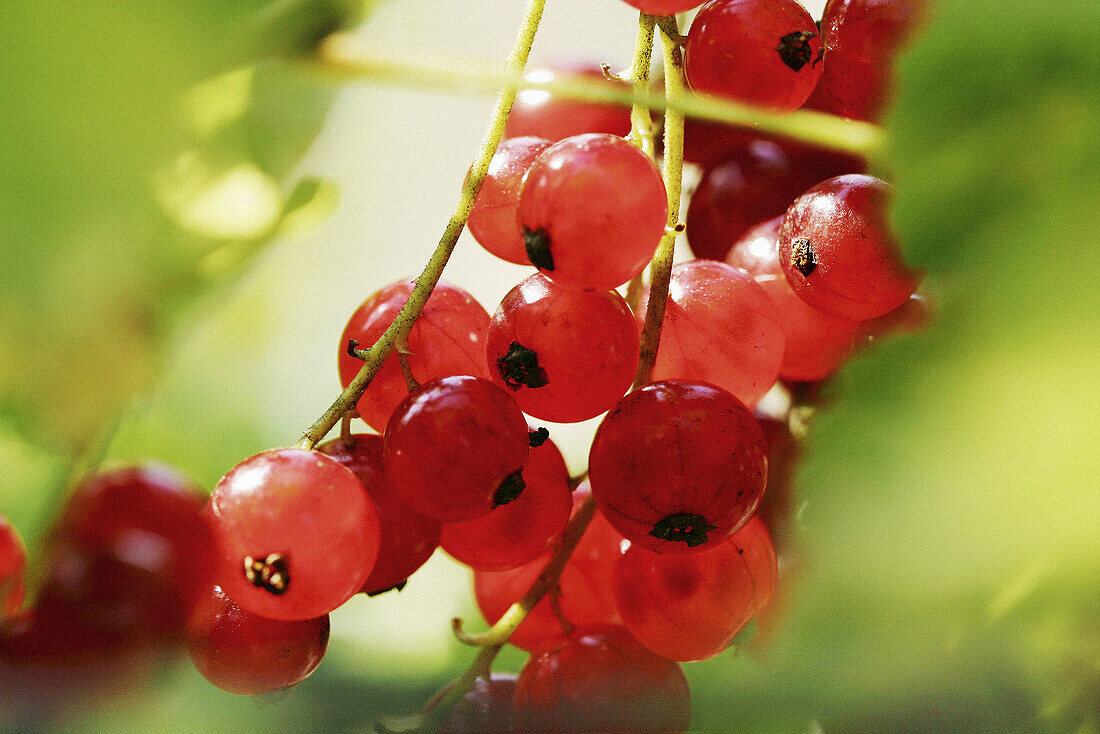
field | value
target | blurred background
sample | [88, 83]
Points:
[188, 219]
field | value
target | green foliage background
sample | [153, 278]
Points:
[950, 574]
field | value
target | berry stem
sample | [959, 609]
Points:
[499, 633]
[343, 58]
[493, 640]
[661, 268]
[641, 123]
[403, 322]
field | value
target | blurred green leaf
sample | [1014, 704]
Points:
[146, 151]
[952, 501]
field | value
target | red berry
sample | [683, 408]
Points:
[754, 181]
[839, 253]
[593, 209]
[677, 466]
[566, 355]
[689, 607]
[51, 665]
[13, 566]
[540, 114]
[455, 447]
[664, 7]
[407, 538]
[757, 251]
[485, 709]
[816, 343]
[133, 543]
[601, 680]
[522, 530]
[862, 38]
[584, 589]
[242, 653]
[297, 534]
[764, 52]
[910, 317]
[492, 221]
[447, 339]
[719, 327]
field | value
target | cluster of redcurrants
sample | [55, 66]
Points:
[797, 266]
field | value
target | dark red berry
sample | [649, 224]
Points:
[245, 654]
[407, 538]
[764, 52]
[678, 466]
[455, 448]
[601, 680]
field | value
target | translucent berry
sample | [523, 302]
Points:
[493, 219]
[839, 253]
[689, 607]
[447, 339]
[816, 343]
[13, 566]
[862, 39]
[522, 530]
[601, 680]
[593, 209]
[754, 181]
[678, 466]
[485, 709]
[245, 654]
[719, 327]
[455, 447]
[132, 542]
[764, 52]
[407, 538]
[540, 114]
[757, 251]
[297, 534]
[664, 7]
[584, 591]
[580, 349]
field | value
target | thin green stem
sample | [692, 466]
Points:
[661, 268]
[343, 58]
[641, 122]
[499, 633]
[493, 640]
[403, 322]
[634, 291]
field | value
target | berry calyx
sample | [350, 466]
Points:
[519, 367]
[691, 529]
